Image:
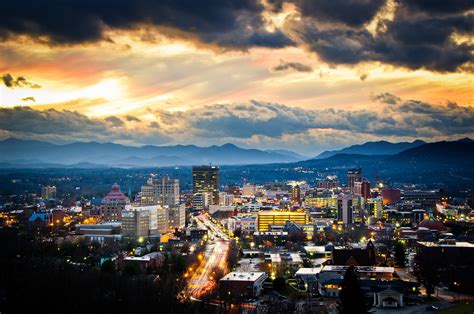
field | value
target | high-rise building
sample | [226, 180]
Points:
[113, 204]
[141, 221]
[374, 207]
[248, 190]
[162, 191]
[353, 175]
[391, 196]
[48, 192]
[177, 216]
[135, 222]
[226, 199]
[362, 189]
[206, 180]
[344, 208]
[296, 194]
[201, 201]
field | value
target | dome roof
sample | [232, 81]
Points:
[115, 188]
[115, 195]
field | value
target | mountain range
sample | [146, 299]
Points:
[16, 152]
[373, 148]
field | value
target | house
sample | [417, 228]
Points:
[242, 284]
[355, 256]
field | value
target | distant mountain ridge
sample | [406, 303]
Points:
[373, 148]
[16, 151]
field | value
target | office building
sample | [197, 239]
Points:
[48, 192]
[226, 199]
[135, 222]
[206, 180]
[201, 201]
[374, 207]
[177, 216]
[113, 204]
[160, 191]
[268, 219]
[153, 218]
[362, 189]
[390, 196]
[353, 176]
[296, 194]
[344, 208]
[248, 190]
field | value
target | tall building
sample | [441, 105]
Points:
[344, 208]
[206, 180]
[201, 201]
[135, 222]
[362, 189]
[226, 199]
[374, 207]
[113, 204]
[248, 190]
[162, 191]
[48, 192]
[177, 216]
[296, 194]
[353, 175]
[391, 196]
[141, 221]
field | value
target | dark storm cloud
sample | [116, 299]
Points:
[11, 82]
[114, 121]
[300, 67]
[409, 41]
[349, 12]
[78, 21]
[439, 6]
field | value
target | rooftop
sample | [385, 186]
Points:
[367, 269]
[447, 244]
[308, 271]
[243, 276]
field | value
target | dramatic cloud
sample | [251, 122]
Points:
[251, 123]
[349, 12]
[231, 23]
[29, 98]
[300, 67]
[11, 82]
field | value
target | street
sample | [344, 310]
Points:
[214, 257]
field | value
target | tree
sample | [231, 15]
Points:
[400, 254]
[279, 284]
[426, 271]
[352, 297]
[108, 266]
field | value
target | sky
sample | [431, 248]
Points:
[301, 75]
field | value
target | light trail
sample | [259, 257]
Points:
[203, 279]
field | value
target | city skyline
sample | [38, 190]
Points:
[302, 76]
